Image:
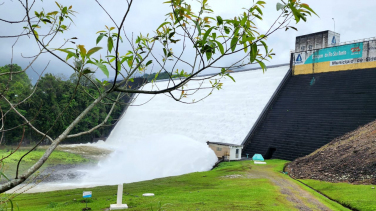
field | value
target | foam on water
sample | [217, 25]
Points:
[160, 155]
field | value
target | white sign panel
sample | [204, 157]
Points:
[87, 194]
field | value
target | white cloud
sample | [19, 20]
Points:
[353, 21]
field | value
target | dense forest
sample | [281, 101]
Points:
[54, 95]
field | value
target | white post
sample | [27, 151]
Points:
[120, 194]
[119, 203]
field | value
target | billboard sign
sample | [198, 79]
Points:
[336, 55]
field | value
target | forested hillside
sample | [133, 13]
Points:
[52, 97]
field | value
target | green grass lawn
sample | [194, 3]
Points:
[361, 197]
[57, 157]
[210, 190]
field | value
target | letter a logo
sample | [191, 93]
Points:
[334, 41]
[299, 59]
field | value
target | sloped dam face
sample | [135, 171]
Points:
[165, 138]
[311, 110]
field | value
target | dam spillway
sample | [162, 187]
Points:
[225, 116]
[159, 137]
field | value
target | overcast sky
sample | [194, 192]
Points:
[354, 20]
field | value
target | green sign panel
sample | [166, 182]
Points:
[352, 51]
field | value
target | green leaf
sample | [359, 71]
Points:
[70, 53]
[118, 68]
[160, 26]
[103, 68]
[208, 55]
[207, 33]
[295, 12]
[87, 71]
[261, 2]
[262, 65]
[149, 62]
[306, 6]
[93, 50]
[253, 55]
[234, 41]
[2, 174]
[245, 47]
[36, 34]
[227, 30]
[53, 13]
[219, 20]
[280, 6]
[220, 46]
[65, 9]
[46, 20]
[265, 46]
[198, 27]
[231, 77]
[245, 18]
[82, 51]
[236, 32]
[259, 10]
[110, 44]
[171, 35]
[99, 38]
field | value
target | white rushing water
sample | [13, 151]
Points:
[225, 116]
[167, 138]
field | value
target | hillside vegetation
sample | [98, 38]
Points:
[54, 94]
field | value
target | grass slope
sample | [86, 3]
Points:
[220, 189]
[361, 197]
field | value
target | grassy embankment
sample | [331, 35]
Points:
[360, 197]
[57, 157]
[225, 188]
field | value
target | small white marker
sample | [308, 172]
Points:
[119, 205]
[148, 194]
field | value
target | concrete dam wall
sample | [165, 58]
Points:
[310, 110]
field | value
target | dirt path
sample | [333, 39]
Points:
[302, 199]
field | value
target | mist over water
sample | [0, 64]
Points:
[160, 155]
[166, 138]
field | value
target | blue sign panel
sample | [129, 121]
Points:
[86, 194]
[352, 51]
